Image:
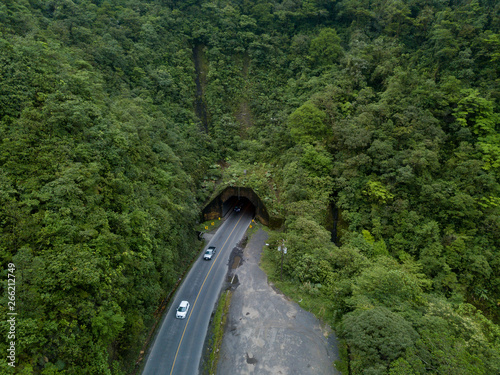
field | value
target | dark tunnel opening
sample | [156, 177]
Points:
[231, 197]
[234, 203]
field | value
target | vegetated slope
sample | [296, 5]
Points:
[100, 156]
[389, 110]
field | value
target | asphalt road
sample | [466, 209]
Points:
[177, 348]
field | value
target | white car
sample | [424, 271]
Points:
[209, 253]
[182, 310]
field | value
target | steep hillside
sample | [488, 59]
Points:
[100, 160]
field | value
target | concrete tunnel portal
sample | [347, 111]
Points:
[224, 203]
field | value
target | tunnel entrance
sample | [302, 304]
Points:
[225, 202]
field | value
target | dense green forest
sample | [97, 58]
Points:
[119, 119]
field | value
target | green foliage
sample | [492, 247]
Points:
[388, 111]
[325, 49]
[386, 283]
[98, 199]
[405, 101]
[378, 337]
[401, 367]
[476, 112]
[479, 114]
[218, 325]
[307, 124]
[316, 160]
[378, 192]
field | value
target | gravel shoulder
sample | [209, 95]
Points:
[266, 333]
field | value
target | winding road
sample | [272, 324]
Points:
[177, 348]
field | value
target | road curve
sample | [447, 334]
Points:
[177, 348]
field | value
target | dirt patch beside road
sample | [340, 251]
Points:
[268, 334]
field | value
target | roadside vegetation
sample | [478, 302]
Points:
[307, 295]
[216, 333]
[388, 111]
[210, 225]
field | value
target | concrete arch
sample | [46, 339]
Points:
[221, 204]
